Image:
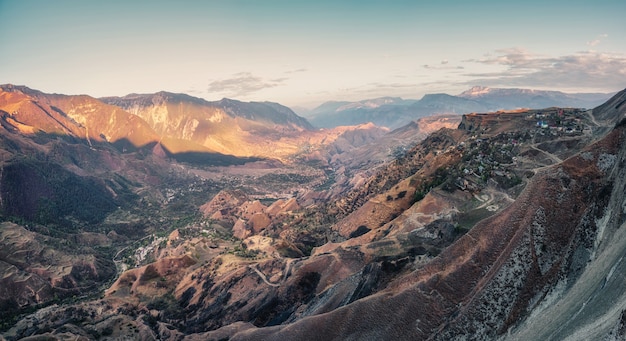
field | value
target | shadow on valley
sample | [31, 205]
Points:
[76, 183]
[46, 193]
[211, 159]
[196, 158]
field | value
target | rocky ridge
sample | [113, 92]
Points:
[232, 127]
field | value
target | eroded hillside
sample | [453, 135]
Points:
[473, 232]
[83, 200]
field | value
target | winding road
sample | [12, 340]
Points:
[262, 275]
[286, 272]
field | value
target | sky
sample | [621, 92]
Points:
[303, 53]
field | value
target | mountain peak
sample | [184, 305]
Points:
[371, 103]
[475, 91]
[19, 88]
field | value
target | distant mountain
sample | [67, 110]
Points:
[325, 107]
[188, 128]
[85, 119]
[227, 126]
[330, 115]
[446, 104]
[497, 98]
[384, 111]
[81, 117]
[395, 112]
[265, 112]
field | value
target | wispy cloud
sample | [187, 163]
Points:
[597, 40]
[443, 65]
[296, 71]
[243, 84]
[379, 85]
[592, 70]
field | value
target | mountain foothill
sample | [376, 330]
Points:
[492, 214]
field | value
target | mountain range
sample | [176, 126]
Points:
[183, 127]
[395, 112]
[164, 216]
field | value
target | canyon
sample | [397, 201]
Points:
[166, 216]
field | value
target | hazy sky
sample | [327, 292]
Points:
[306, 52]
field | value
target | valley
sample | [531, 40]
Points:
[170, 217]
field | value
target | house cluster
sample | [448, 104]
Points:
[490, 159]
[559, 122]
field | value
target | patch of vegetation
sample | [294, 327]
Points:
[440, 176]
[169, 308]
[241, 250]
[283, 181]
[467, 220]
[361, 230]
[186, 220]
[328, 182]
[509, 182]
[9, 316]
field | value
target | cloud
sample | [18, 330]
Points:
[594, 42]
[296, 71]
[379, 85]
[513, 57]
[583, 70]
[243, 84]
[443, 66]
[597, 40]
